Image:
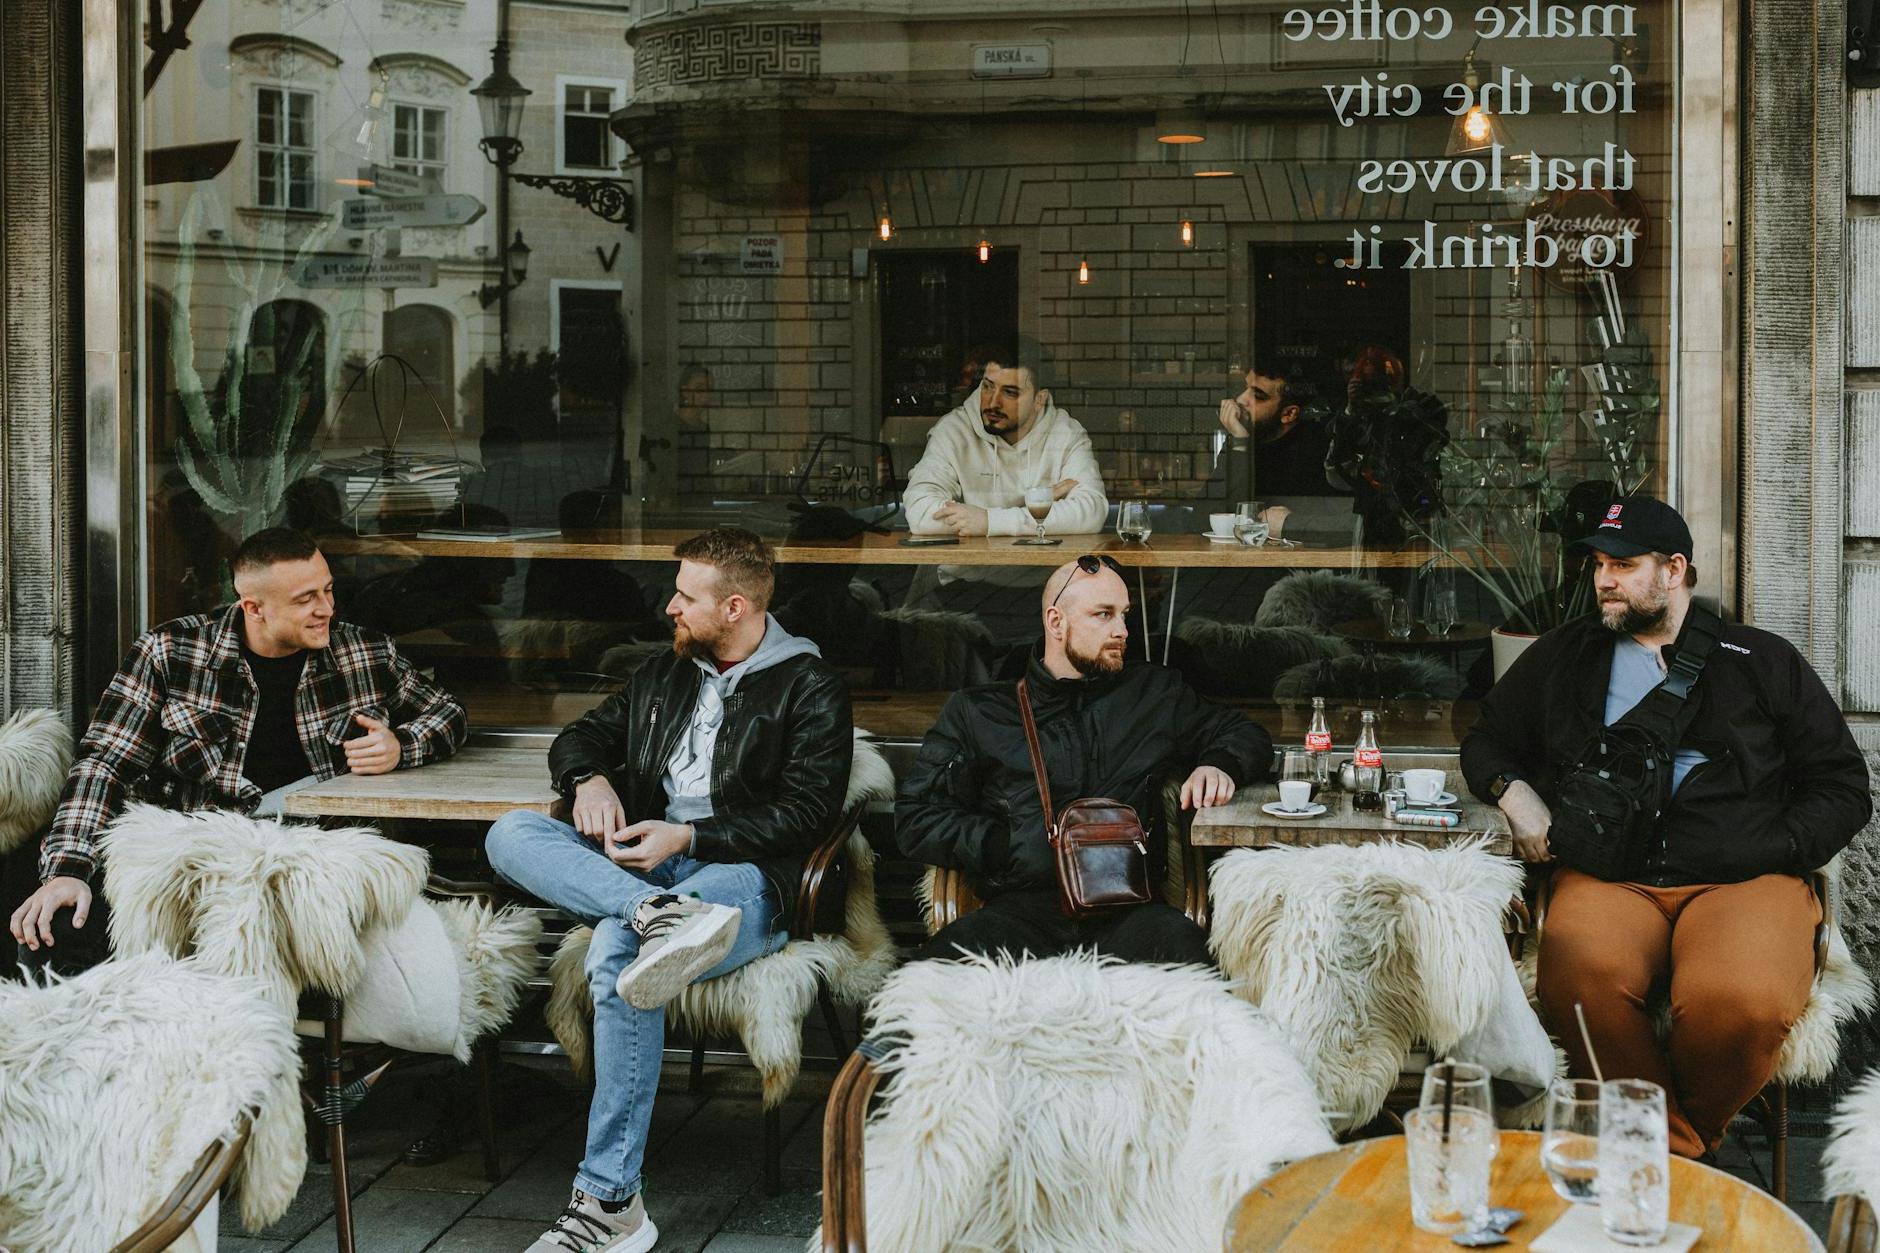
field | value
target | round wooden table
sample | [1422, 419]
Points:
[1357, 1198]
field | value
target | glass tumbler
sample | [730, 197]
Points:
[1634, 1162]
[1448, 1162]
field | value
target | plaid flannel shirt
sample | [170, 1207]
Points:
[173, 725]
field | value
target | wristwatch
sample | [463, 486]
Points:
[1499, 784]
[577, 777]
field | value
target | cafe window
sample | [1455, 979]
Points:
[284, 151]
[1404, 288]
[418, 140]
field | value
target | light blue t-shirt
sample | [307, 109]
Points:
[1636, 671]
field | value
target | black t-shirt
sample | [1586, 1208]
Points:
[274, 753]
[1293, 465]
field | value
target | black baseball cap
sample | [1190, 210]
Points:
[1636, 525]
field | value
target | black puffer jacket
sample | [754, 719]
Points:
[780, 767]
[971, 801]
[1785, 786]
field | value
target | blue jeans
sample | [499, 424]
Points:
[553, 861]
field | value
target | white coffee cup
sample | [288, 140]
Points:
[1423, 786]
[1220, 524]
[1295, 794]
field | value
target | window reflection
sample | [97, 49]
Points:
[709, 321]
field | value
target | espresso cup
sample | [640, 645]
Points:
[1221, 523]
[1423, 786]
[1295, 794]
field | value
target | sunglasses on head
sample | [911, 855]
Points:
[1089, 563]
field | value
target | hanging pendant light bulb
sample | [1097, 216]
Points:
[1083, 273]
[1188, 233]
[985, 251]
[1476, 130]
[886, 227]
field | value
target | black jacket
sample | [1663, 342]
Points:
[1784, 789]
[780, 767]
[971, 801]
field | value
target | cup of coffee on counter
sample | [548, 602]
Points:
[1423, 786]
[1295, 794]
[1220, 524]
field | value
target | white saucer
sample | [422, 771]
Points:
[1229, 538]
[1312, 810]
[1442, 799]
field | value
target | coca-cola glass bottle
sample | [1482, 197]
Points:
[1368, 766]
[1319, 747]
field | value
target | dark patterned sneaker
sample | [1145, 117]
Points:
[681, 937]
[584, 1227]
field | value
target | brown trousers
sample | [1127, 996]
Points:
[1735, 961]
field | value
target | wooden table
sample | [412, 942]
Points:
[1358, 1198]
[1241, 824]
[1160, 552]
[478, 784]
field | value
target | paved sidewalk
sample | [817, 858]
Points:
[703, 1176]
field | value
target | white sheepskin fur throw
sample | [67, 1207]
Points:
[1356, 953]
[1360, 677]
[252, 896]
[1842, 992]
[1851, 1162]
[35, 755]
[113, 1082]
[1239, 659]
[1075, 1103]
[765, 1002]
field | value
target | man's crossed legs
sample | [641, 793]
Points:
[632, 914]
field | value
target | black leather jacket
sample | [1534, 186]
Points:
[780, 767]
[971, 800]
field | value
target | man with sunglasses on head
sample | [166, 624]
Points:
[971, 801]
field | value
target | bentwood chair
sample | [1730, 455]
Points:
[192, 1194]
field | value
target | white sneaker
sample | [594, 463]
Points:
[584, 1227]
[681, 937]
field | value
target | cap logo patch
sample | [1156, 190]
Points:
[1612, 518]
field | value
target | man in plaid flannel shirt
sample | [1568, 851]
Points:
[215, 710]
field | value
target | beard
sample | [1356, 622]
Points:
[1624, 616]
[994, 420]
[1107, 659]
[691, 646]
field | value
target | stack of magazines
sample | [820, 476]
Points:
[384, 481]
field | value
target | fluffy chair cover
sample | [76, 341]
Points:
[1320, 599]
[1359, 952]
[113, 1082]
[251, 896]
[1358, 676]
[939, 650]
[35, 754]
[1075, 1103]
[765, 1002]
[1236, 659]
[1841, 993]
[1851, 1163]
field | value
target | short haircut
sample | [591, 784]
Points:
[1690, 570]
[1028, 355]
[744, 563]
[271, 547]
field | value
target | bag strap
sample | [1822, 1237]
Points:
[1667, 709]
[1037, 758]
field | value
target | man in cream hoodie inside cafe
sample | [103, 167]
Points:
[1008, 436]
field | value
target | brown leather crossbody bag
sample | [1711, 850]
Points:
[1102, 850]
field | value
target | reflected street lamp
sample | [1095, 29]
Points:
[516, 261]
[499, 105]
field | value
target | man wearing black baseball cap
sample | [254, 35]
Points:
[1750, 780]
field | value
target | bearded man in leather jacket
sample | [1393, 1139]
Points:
[698, 791]
[971, 801]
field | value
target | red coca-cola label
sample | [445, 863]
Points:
[1369, 757]
[1318, 741]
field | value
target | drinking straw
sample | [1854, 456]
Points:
[1449, 1094]
[1586, 1038]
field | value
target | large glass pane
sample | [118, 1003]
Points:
[1401, 275]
